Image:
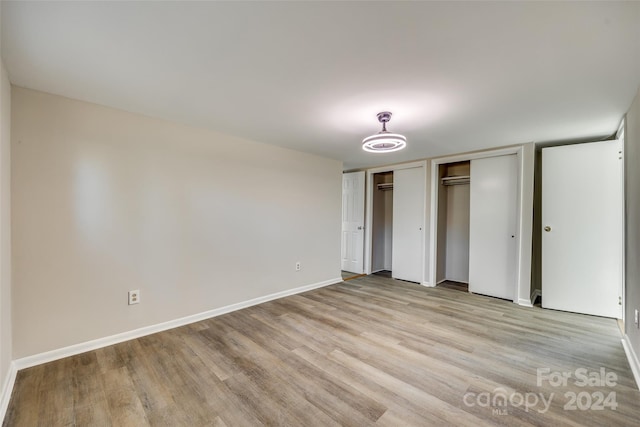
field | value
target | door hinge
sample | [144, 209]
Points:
[619, 300]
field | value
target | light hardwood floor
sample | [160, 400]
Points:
[370, 351]
[347, 275]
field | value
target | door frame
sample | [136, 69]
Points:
[368, 215]
[621, 135]
[522, 291]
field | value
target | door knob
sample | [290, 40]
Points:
[547, 229]
[360, 227]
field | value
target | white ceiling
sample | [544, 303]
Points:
[312, 75]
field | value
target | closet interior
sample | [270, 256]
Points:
[453, 222]
[382, 222]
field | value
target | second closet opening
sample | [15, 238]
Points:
[382, 223]
[453, 225]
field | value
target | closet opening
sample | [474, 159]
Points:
[382, 224]
[452, 229]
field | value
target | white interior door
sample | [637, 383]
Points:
[582, 228]
[408, 223]
[492, 226]
[353, 222]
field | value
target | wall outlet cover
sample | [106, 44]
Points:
[134, 297]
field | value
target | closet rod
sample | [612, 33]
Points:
[456, 180]
[385, 186]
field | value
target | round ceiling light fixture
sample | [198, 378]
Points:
[384, 141]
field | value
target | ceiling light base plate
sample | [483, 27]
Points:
[384, 117]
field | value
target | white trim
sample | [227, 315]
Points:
[390, 168]
[48, 356]
[7, 389]
[620, 136]
[427, 284]
[632, 357]
[524, 302]
[440, 281]
[433, 220]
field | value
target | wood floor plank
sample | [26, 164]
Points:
[124, 403]
[370, 351]
[334, 398]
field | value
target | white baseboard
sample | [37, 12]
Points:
[427, 284]
[440, 281]
[38, 359]
[633, 359]
[524, 302]
[529, 302]
[7, 389]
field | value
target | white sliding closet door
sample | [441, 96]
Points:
[492, 226]
[408, 221]
[582, 228]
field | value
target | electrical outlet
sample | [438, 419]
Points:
[298, 266]
[134, 297]
[635, 319]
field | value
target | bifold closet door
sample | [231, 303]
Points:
[582, 228]
[492, 226]
[408, 222]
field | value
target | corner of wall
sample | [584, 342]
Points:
[632, 231]
[7, 368]
[7, 389]
[632, 357]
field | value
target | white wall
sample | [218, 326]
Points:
[106, 201]
[5, 226]
[632, 222]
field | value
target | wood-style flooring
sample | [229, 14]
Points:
[347, 275]
[370, 351]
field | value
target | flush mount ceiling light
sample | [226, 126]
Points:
[384, 141]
